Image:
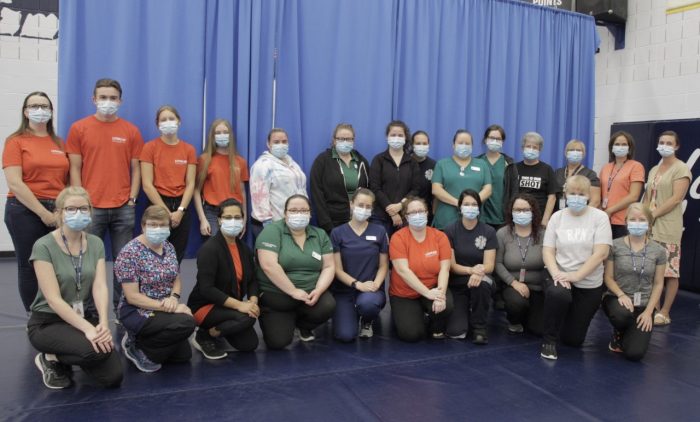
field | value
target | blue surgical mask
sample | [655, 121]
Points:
[157, 235]
[221, 140]
[531, 153]
[418, 221]
[39, 115]
[344, 147]
[620, 150]
[576, 202]
[637, 228]
[107, 108]
[298, 221]
[574, 157]
[494, 145]
[361, 214]
[168, 127]
[463, 150]
[77, 221]
[666, 150]
[470, 212]
[396, 142]
[522, 218]
[421, 150]
[279, 150]
[232, 227]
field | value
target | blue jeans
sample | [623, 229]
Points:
[120, 223]
[351, 305]
[25, 228]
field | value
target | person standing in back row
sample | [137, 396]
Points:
[104, 150]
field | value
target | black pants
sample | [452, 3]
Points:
[163, 338]
[25, 228]
[409, 317]
[528, 312]
[568, 312]
[471, 309]
[180, 234]
[236, 327]
[48, 333]
[280, 314]
[635, 342]
[618, 230]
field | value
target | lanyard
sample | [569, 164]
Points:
[77, 266]
[634, 262]
[612, 176]
[520, 248]
[576, 171]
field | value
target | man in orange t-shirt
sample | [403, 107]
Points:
[103, 150]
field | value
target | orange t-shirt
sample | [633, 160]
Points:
[217, 186]
[169, 165]
[423, 259]
[236, 256]
[44, 164]
[107, 149]
[620, 182]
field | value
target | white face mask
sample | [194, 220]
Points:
[396, 142]
[298, 221]
[39, 115]
[361, 214]
[168, 127]
[107, 107]
[232, 227]
[421, 150]
[221, 140]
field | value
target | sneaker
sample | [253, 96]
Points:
[137, 357]
[549, 351]
[54, 373]
[366, 330]
[480, 339]
[615, 344]
[305, 334]
[458, 336]
[206, 344]
[438, 335]
[515, 328]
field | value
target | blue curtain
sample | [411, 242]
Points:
[155, 49]
[469, 64]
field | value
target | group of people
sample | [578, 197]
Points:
[446, 234]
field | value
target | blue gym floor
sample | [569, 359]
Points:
[381, 379]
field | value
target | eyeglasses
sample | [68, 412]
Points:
[231, 217]
[152, 225]
[408, 214]
[296, 211]
[73, 210]
[38, 106]
[521, 210]
[345, 139]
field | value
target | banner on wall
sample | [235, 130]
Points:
[677, 6]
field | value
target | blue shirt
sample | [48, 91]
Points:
[359, 254]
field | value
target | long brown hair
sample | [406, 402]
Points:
[210, 150]
[24, 128]
[536, 215]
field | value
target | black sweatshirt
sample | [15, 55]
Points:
[391, 183]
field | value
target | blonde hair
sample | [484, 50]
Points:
[72, 191]
[573, 142]
[578, 182]
[339, 127]
[638, 206]
[157, 213]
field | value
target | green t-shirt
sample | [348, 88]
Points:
[454, 180]
[493, 207]
[47, 249]
[350, 172]
[301, 266]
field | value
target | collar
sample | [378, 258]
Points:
[335, 155]
[310, 232]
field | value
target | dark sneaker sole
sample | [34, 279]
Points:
[37, 362]
[201, 350]
[134, 360]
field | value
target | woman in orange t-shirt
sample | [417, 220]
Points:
[36, 170]
[621, 181]
[421, 258]
[222, 174]
[168, 170]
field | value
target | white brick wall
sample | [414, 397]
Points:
[26, 65]
[656, 76]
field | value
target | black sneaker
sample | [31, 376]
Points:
[54, 373]
[366, 330]
[306, 334]
[615, 344]
[549, 351]
[480, 339]
[206, 344]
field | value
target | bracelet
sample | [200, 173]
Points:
[175, 295]
[623, 294]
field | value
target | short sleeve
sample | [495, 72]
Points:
[595, 181]
[491, 240]
[74, 140]
[661, 256]
[137, 144]
[637, 172]
[336, 239]
[613, 251]
[603, 231]
[437, 173]
[444, 247]
[243, 166]
[40, 252]
[682, 172]
[191, 155]
[552, 185]
[450, 233]
[384, 245]
[324, 241]
[488, 179]
[270, 239]
[147, 153]
[125, 267]
[398, 249]
[12, 154]
[550, 234]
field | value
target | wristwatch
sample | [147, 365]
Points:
[181, 209]
[133, 200]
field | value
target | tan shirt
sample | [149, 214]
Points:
[667, 228]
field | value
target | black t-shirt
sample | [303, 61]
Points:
[538, 180]
[469, 245]
[560, 175]
[425, 188]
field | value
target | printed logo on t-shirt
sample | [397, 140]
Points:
[57, 152]
[431, 253]
[181, 162]
[531, 182]
[269, 245]
[118, 140]
[480, 242]
[576, 235]
[429, 174]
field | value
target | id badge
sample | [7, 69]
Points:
[78, 308]
[605, 203]
[637, 299]
[562, 203]
[521, 278]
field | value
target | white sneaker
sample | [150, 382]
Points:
[366, 330]
[515, 328]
